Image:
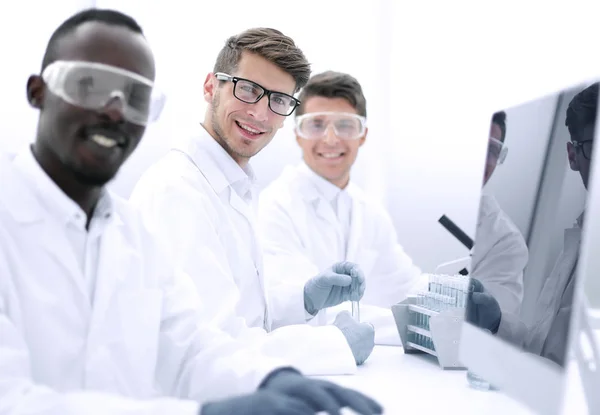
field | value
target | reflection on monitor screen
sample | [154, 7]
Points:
[524, 261]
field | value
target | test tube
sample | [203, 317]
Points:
[356, 311]
[454, 291]
[445, 286]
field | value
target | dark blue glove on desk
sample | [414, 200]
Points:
[261, 402]
[286, 391]
[320, 395]
[483, 310]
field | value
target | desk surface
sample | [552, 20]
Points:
[416, 384]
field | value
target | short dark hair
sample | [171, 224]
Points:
[331, 84]
[269, 44]
[106, 16]
[499, 118]
[582, 110]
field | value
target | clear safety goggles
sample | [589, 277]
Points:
[497, 150]
[346, 126]
[93, 86]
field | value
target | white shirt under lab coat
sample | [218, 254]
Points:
[304, 231]
[101, 323]
[499, 255]
[548, 336]
[200, 202]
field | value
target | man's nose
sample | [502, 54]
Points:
[114, 108]
[260, 110]
[331, 137]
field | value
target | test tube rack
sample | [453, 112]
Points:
[424, 330]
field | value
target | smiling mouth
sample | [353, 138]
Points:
[103, 141]
[331, 155]
[251, 131]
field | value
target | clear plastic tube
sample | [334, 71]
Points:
[356, 311]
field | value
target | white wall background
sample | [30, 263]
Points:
[433, 72]
[24, 33]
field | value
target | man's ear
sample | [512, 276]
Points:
[364, 137]
[210, 87]
[36, 89]
[572, 154]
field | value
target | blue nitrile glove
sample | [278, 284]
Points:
[344, 281]
[483, 310]
[320, 395]
[360, 336]
[262, 402]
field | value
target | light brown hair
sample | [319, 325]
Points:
[331, 84]
[270, 44]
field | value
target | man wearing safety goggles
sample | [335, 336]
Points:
[93, 318]
[313, 214]
[500, 253]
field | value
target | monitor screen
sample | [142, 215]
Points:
[526, 250]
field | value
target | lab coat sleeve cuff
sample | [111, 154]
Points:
[324, 351]
[287, 305]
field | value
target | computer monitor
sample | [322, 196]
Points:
[543, 200]
[585, 329]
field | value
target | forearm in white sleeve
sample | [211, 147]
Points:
[20, 395]
[199, 361]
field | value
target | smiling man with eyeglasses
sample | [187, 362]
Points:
[200, 200]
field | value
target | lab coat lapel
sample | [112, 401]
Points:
[356, 231]
[556, 283]
[241, 207]
[246, 211]
[56, 245]
[572, 243]
[320, 209]
[44, 232]
[111, 269]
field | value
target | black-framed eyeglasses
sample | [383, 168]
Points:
[586, 147]
[250, 92]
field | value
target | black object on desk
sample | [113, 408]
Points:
[459, 234]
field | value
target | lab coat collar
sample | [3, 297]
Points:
[220, 170]
[27, 184]
[316, 187]
[327, 189]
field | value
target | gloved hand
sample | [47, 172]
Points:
[360, 336]
[483, 309]
[344, 281]
[262, 402]
[320, 395]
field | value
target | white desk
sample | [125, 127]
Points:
[415, 384]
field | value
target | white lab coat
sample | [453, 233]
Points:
[210, 231]
[302, 235]
[548, 336]
[499, 255]
[139, 343]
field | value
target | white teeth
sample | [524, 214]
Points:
[252, 130]
[331, 155]
[104, 141]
